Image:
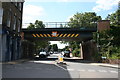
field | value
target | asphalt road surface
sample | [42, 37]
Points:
[50, 69]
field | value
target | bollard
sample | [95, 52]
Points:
[60, 60]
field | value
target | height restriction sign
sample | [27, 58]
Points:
[54, 34]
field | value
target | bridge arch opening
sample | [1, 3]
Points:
[83, 36]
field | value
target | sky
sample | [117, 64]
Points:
[63, 10]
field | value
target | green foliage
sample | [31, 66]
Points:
[109, 42]
[39, 44]
[37, 24]
[55, 47]
[115, 54]
[49, 48]
[87, 19]
[114, 18]
[76, 52]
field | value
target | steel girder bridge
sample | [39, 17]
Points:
[59, 34]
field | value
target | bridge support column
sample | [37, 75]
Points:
[81, 51]
[89, 51]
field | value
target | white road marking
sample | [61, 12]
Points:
[70, 69]
[45, 62]
[60, 67]
[113, 71]
[82, 70]
[102, 70]
[90, 70]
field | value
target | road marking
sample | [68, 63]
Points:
[70, 69]
[46, 62]
[113, 71]
[102, 70]
[90, 70]
[60, 67]
[81, 70]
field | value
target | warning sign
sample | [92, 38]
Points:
[54, 34]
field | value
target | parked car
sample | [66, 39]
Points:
[42, 54]
[50, 52]
[66, 53]
[55, 52]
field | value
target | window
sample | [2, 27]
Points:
[14, 25]
[19, 24]
[20, 6]
[15, 3]
[1, 15]
[9, 18]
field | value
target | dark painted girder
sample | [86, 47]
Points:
[62, 34]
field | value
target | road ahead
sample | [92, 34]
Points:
[49, 69]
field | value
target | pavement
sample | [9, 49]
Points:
[15, 62]
[106, 65]
[96, 64]
[49, 69]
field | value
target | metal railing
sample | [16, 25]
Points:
[61, 25]
[55, 24]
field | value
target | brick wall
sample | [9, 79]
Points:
[103, 25]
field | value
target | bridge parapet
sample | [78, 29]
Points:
[61, 25]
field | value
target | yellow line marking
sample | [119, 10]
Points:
[61, 35]
[48, 35]
[34, 35]
[68, 35]
[57, 35]
[45, 35]
[41, 35]
[64, 35]
[72, 35]
[76, 35]
[37, 35]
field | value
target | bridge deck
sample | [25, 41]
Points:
[58, 34]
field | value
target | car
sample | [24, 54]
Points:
[42, 54]
[66, 53]
[55, 52]
[50, 52]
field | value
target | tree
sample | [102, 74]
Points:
[55, 47]
[39, 44]
[114, 32]
[87, 19]
[37, 24]
[109, 42]
[114, 18]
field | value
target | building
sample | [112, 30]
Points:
[10, 29]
